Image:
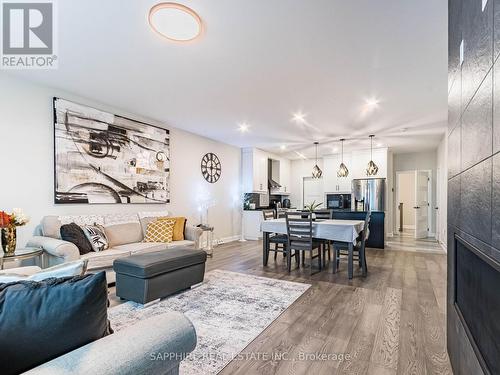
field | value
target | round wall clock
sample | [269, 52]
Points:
[211, 167]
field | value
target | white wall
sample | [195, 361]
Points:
[418, 161]
[299, 169]
[442, 191]
[27, 170]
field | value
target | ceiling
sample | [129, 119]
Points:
[259, 62]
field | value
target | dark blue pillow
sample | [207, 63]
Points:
[40, 321]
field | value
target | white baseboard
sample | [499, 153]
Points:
[408, 226]
[444, 246]
[390, 234]
[228, 239]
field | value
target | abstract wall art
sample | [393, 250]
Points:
[105, 158]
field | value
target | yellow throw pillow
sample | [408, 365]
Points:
[180, 224]
[160, 231]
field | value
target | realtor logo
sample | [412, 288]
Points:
[28, 35]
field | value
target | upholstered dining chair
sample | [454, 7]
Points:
[325, 214]
[340, 248]
[300, 236]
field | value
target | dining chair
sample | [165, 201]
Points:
[325, 214]
[359, 254]
[280, 241]
[300, 237]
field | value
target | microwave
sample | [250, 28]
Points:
[338, 201]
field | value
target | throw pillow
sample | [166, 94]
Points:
[160, 231]
[124, 233]
[70, 269]
[43, 320]
[179, 226]
[96, 236]
[74, 233]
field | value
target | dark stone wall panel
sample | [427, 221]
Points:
[475, 201]
[477, 125]
[477, 33]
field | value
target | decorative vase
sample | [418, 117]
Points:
[9, 238]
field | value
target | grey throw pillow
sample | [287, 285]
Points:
[96, 236]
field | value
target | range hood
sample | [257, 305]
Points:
[273, 184]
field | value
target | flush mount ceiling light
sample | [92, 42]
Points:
[175, 22]
[371, 169]
[343, 171]
[316, 172]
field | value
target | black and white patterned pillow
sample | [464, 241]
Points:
[96, 236]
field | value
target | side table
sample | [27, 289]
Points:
[209, 247]
[21, 254]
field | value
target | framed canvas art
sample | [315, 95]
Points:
[101, 157]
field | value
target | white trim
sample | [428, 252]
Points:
[390, 234]
[444, 246]
[409, 227]
[223, 240]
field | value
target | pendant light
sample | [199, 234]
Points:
[343, 171]
[317, 172]
[371, 169]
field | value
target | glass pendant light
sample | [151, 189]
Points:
[371, 169]
[343, 171]
[317, 172]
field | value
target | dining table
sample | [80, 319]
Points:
[344, 231]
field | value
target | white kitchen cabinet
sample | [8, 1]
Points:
[333, 183]
[251, 224]
[285, 176]
[254, 170]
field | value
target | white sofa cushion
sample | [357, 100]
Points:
[123, 233]
[34, 273]
[143, 247]
[104, 259]
[174, 244]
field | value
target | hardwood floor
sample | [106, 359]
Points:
[391, 322]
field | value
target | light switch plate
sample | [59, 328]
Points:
[462, 52]
[484, 4]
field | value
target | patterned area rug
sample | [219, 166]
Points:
[228, 310]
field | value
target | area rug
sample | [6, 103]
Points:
[228, 310]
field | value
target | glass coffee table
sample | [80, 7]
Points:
[21, 254]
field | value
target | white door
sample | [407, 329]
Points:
[313, 191]
[421, 204]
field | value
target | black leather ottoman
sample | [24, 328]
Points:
[145, 277]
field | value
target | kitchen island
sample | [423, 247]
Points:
[376, 227]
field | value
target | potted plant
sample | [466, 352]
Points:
[311, 207]
[8, 225]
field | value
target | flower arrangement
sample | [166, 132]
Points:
[16, 219]
[8, 225]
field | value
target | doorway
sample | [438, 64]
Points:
[413, 196]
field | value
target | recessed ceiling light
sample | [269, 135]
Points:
[335, 149]
[175, 22]
[379, 144]
[283, 147]
[299, 117]
[372, 102]
[243, 127]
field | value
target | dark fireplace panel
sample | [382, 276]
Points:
[477, 300]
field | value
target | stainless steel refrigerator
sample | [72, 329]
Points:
[368, 194]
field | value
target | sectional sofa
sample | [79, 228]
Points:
[125, 243]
